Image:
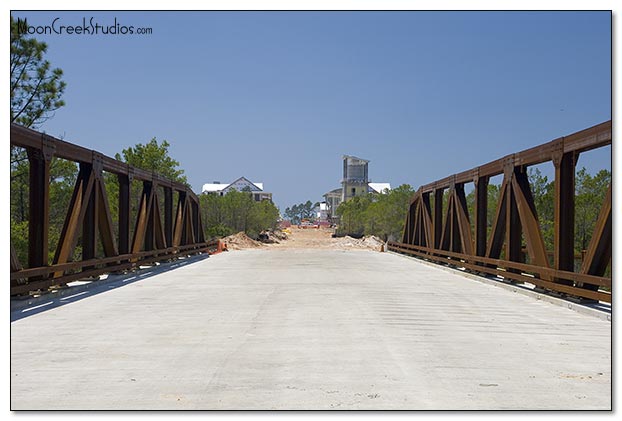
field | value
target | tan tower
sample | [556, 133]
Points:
[355, 177]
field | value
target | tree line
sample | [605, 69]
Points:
[382, 215]
[300, 211]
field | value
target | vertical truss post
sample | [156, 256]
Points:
[39, 208]
[438, 217]
[564, 210]
[195, 220]
[89, 236]
[91, 216]
[481, 214]
[124, 212]
[168, 215]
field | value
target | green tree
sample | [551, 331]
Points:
[543, 193]
[386, 215]
[237, 211]
[352, 215]
[36, 89]
[301, 211]
[153, 157]
[590, 193]
[382, 215]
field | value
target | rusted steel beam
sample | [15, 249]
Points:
[588, 139]
[179, 219]
[427, 219]
[529, 219]
[564, 208]
[598, 253]
[158, 228]
[528, 222]
[124, 213]
[104, 221]
[464, 223]
[89, 220]
[481, 215]
[446, 242]
[75, 215]
[168, 215]
[513, 229]
[497, 233]
[38, 206]
[437, 220]
[140, 230]
[188, 231]
[418, 224]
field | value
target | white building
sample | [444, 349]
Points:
[378, 187]
[241, 184]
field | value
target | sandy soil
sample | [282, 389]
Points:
[310, 238]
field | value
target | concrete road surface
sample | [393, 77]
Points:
[307, 329]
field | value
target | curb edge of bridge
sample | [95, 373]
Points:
[579, 308]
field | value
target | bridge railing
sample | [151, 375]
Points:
[457, 238]
[157, 234]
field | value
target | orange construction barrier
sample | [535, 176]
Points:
[222, 246]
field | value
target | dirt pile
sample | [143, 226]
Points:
[241, 241]
[272, 237]
[370, 242]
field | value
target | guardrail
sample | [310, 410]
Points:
[181, 233]
[462, 240]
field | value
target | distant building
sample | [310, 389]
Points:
[355, 182]
[321, 211]
[355, 178]
[332, 200]
[241, 184]
[378, 187]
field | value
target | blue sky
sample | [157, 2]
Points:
[279, 97]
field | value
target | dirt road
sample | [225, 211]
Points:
[309, 238]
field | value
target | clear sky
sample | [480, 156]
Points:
[279, 97]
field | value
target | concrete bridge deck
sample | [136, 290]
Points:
[308, 329]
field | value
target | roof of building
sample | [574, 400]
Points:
[355, 158]
[212, 187]
[334, 192]
[216, 187]
[379, 187]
